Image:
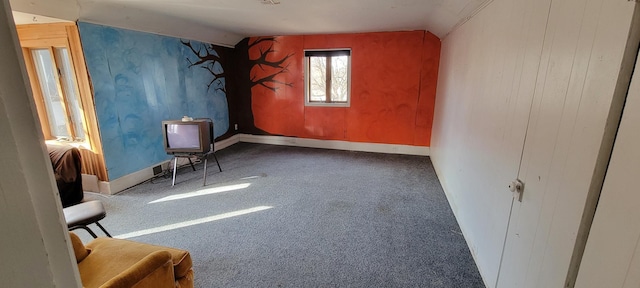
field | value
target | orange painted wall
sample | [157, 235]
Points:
[393, 88]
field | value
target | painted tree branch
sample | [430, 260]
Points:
[217, 77]
[271, 79]
[203, 58]
[263, 62]
[206, 60]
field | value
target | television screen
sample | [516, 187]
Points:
[187, 137]
[183, 136]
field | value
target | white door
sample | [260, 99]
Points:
[489, 71]
[565, 150]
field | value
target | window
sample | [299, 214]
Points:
[56, 69]
[327, 77]
[59, 92]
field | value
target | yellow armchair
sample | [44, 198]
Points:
[117, 263]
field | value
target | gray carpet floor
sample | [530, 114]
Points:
[298, 217]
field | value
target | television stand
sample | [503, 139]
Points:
[188, 156]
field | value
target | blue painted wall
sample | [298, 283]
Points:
[140, 79]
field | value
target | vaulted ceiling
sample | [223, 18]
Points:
[226, 22]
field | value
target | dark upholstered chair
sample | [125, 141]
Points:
[67, 167]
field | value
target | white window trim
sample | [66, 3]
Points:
[306, 82]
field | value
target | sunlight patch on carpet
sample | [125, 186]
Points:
[192, 222]
[203, 192]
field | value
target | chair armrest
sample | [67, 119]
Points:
[79, 250]
[153, 271]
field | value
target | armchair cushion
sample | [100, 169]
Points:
[109, 262]
[136, 250]
[153, 270]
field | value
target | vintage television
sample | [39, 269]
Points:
[187, 136]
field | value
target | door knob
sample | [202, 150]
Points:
[517, 187]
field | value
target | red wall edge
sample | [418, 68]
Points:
[393, 88]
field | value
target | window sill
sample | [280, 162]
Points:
[77, 144]
[322, 104]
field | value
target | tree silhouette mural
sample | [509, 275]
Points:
[261, 70]
[208, 59]
[278, 66]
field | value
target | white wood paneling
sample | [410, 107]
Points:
[486, 83]
[35, 244]
[612, 254]
[582, 61]
[555, 64]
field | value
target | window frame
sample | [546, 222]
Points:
[63, 93]
[308, 53]
[52, 36]
[64, 34]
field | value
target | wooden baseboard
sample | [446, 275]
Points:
[124, 182]
[336, 144]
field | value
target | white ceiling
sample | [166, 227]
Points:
[226, 22]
